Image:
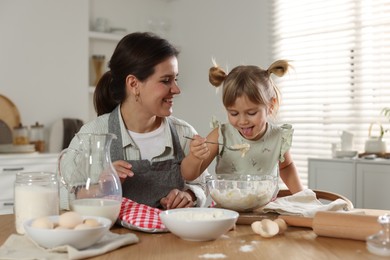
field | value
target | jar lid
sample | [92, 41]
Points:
[20, 126]
[37, 125]
[98, 57]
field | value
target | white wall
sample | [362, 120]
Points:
[42, 58]
[44, 50]
[233, 32]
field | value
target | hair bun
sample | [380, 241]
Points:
[279, 68]
[216, 76]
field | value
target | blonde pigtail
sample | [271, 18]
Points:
[216, 75]
[279, 68]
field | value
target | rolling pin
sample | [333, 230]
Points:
[338, 225]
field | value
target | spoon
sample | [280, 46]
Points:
[232, 148]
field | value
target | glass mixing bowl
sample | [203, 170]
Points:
[242, 192]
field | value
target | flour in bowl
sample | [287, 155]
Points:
[241, 200]
[207, 215]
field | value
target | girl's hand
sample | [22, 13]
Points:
[123, 169]
[177, 199]
[198, 148]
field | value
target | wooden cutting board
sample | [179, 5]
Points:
[5, 133]
[9, 113]
[247, 218]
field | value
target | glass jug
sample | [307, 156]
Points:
[93, 185]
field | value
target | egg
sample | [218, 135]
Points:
[82, 226]
[70, 219]
[92, 222]
[60, 228]
[43, 222]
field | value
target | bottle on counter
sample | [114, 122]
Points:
[36, 137]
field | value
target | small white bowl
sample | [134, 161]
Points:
[77, 238]
[199, 224]
[346, 154]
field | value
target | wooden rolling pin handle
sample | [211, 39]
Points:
[339, 225]
[297, 221]
[344, 225]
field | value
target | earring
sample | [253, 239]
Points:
[136, 97]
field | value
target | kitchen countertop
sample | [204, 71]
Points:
[241, 243]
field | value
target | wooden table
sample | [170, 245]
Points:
[241, 243]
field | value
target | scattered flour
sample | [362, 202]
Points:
[246, 248]
[214, 256]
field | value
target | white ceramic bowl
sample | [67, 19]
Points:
[199, 224]
[242, 192]
[77, 238]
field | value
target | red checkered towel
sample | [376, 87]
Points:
[140, 217]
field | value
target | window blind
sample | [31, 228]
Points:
[340, 53]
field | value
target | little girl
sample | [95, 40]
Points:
[251, 99]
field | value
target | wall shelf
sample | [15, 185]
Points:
[105, 36]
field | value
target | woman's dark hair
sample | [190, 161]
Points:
[136, 54]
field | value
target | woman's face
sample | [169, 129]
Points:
[248, 118]
[157, 91]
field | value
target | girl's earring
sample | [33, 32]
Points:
[136, 97]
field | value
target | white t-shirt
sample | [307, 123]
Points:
[150, 144]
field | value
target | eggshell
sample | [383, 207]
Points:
[70, 219]
[256, 226]
[282, 225]
[43, 222]
[269, 228]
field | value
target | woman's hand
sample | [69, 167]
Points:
[123, 169]
[178, 199]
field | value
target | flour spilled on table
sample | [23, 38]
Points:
[213, 256]
[246, 248]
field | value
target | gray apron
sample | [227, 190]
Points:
[152, 180]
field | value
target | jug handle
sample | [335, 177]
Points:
[62, 179]
[380, 127]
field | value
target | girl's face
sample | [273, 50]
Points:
[248, 118]
[157, 91]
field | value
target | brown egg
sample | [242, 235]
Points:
[43, 222]
[70, 219]
[92, 222]
[61, 228]
[82, 226]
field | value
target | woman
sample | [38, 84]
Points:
[134, 100]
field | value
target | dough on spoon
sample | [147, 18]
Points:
[244, 148]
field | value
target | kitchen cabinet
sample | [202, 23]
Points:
[365, 182]
[10, 164]
[373, 182]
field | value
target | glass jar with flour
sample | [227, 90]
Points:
[36, 195]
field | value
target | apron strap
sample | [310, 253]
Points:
[116, 149]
